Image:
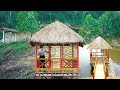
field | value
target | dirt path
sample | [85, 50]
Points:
[18, 69]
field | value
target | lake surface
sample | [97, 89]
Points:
[115, 56]
[85, 61]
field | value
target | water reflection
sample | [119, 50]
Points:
[115, 56]
[85, 70]
[84, 62]
[116, 69]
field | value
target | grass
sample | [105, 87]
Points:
[19, 47]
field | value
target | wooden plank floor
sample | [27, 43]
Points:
[99, 73]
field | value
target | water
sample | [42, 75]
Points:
[85, 61]
[115, 56]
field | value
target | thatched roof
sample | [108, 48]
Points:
[8, 30]
[72, 27]
[99, 43]
[56, 33]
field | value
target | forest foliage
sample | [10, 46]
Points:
[93, 23]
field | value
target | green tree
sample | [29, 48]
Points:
[90, 28]
[115, 19]
[27, 21]
[105, 25]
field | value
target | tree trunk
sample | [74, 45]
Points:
[50, 17]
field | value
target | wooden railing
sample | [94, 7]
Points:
[111, 71]
[105, 69]
[57, 58]
[94, 69]
[58, 68]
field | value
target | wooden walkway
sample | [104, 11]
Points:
[99, 72]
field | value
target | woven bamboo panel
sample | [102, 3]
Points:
[55, 53]
[46, 54]
[67, 51]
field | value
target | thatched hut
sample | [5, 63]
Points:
[67, 41]
[72, 27]
[99, 53]
[99, 43]
[56, 33]
[101, 48]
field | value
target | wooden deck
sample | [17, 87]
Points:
[99, 73]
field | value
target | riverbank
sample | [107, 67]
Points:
[116, 77]
[13, 66]
[115, 55]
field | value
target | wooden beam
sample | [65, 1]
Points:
[8, 30]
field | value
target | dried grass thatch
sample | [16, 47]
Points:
[99, 43]
[56, 33]
[72, 27]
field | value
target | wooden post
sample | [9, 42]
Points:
[90, 55]
[96, 54]
[108, 54]
[36, 61]
[62, 57]
[72, 56]
[3, 36]
[78, 66]
[49, 51]
[101, 54]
